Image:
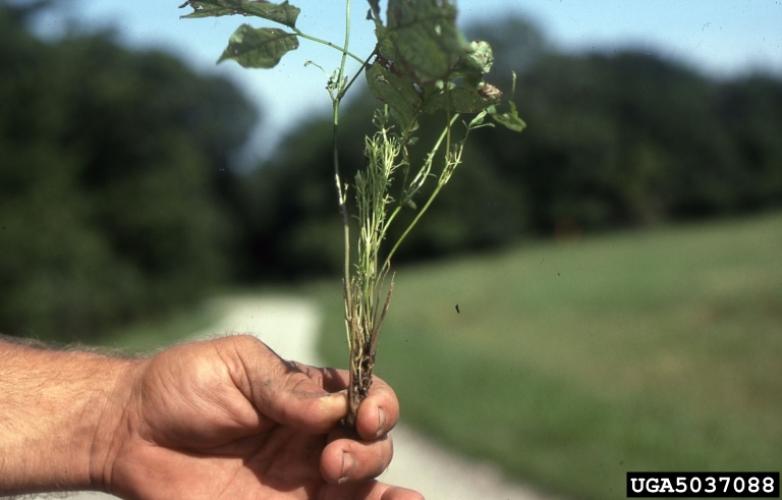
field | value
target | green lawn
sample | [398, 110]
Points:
[571, 363]
[150, 335]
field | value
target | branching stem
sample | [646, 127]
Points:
[355, 77]
[430, 158]
[321, 41]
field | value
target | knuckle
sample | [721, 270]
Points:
[245, 339]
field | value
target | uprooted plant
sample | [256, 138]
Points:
[421, 64]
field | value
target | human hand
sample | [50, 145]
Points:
[230, 419]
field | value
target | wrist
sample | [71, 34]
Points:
[112, 428]
[57, 412]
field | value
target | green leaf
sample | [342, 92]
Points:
[510, 119]
[259, 47]
[283, 13]
[398, 93]
[462, 97]
[422, 36]
[385, 43]
[458, 99]
[480, 57]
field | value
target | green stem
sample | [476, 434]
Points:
[342, 190]
[432, 196]
[435, 192]
[346, 45]
[342, 195]
[321, 41]
[355, 77]
[408, 196]
[391, 218]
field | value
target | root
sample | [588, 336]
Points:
[361, 368]
[362, 354]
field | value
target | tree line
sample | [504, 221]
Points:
[113, 205]
[119, 197]
[615, 139]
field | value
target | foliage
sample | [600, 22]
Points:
[110, 167]
[624, 139]
[259, 48]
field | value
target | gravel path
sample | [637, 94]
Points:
[290, 327]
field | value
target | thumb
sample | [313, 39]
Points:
[289, 393]
[297, 400]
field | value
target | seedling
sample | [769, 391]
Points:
[421, 64]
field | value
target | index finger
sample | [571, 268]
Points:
[378, 413]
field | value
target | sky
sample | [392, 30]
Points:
[720, 37]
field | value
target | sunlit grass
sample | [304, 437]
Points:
[152, 334]
[571, 363]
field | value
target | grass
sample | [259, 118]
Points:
[147, 336]
[150, 335]
[573, 362]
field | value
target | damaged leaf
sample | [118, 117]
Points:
[283, 13]
[259, 47]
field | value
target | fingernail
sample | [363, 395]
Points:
[348, 462]
[334, 401]
[381, 422]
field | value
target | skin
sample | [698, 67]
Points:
[222, 419]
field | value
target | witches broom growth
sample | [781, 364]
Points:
[421, 65]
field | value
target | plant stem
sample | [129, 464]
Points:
[387, 263]
[343, 211]
[341, 189]
[409, 195]
[321, 41]
[346, 45]
[355, 77]
[432, 196]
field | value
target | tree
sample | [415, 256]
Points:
[110, 196]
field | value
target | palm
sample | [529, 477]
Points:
[195, 432]
[247, 468]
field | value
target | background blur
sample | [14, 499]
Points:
[616, 266]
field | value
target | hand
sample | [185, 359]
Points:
[229, 419]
